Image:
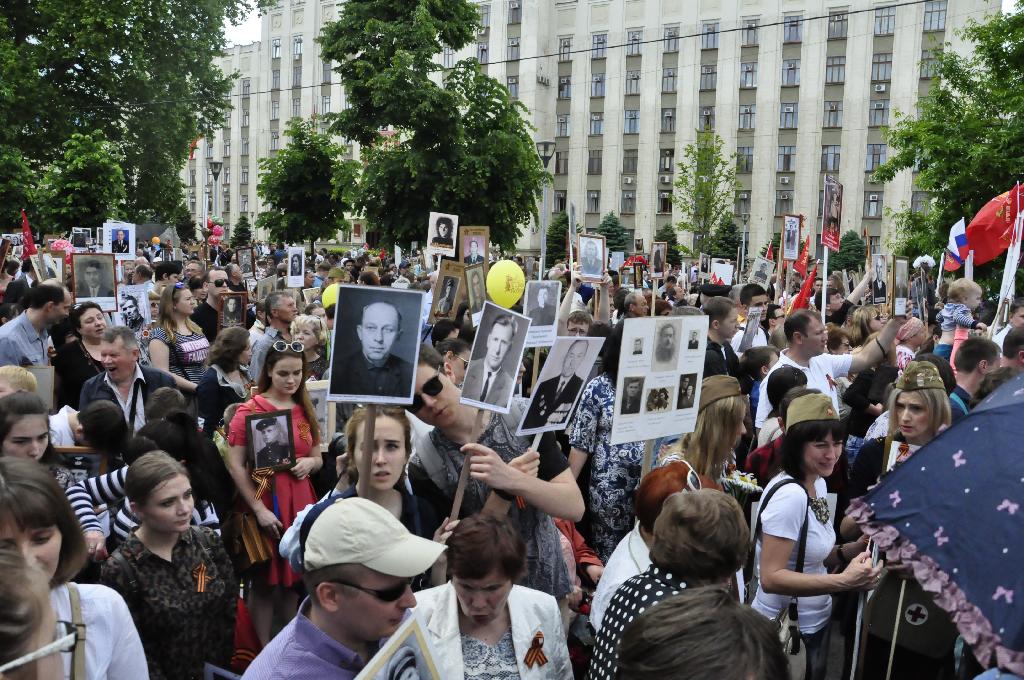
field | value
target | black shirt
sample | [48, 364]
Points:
[74, 365]
[205, 317]
[839, 316]
[720, 360]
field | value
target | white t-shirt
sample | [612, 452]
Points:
[760, 338]
[783, 517]
[821, 373]
[60, 428]
[113, 650]
[630, 558]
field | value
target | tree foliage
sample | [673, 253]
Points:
[241, 235]
[667, 233]
[460, 146]
[84, 187]
[725, 239]
[851, 255]
[705, 186]
[615, 235]
[16, 183]
[184, 226]
[305, 186]
[557, 231]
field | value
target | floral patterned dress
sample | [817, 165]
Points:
[289, 494]
[614, 468]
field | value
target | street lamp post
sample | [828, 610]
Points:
[215, 167]
[545, 150]
[743, 245]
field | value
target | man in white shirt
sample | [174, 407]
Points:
[806, 336]
[1016, 321]
[752, 295]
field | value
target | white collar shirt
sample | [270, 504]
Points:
[821, 373]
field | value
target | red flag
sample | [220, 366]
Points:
[800, 301]
[990, 232]
[800, 266]
[28, 246]
[769, 254]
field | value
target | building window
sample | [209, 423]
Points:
[597, 85]
[209, 150]
[830, 158]
[668, 120]
[833, 117]
[875, 157]
[565, 49]
[227, 201]
[274, 140]
[593, 201]
[630, 159]
[632, 124]
[838, 24]
[481, 52]
[744, 159]
[275, 110]
[935, 15]
[594, 162]
[326, 78]
[275, 79]
[297, 75]
[709, 36]
[561, 162]
[920, 202]
[245, 146]
[878, 113]
[873, 203]
[667, 160]
[787, 159]
[783, 202]
[747, 116]
[485, 16]
[245, 117]
[275, 48]
[598, 46]
[749, 36]
[243, 177]
[243, 203]
[792, 29]
[668, 80]
[664, 202]
[929, 64]
[562, 125]
[325, 104]
[748, 74]
[515, 12]
[707, 119]
[192, 201]
[708, 76]
[296, 107]
[245, 87]
[512, 83]
[632, 85]
[741, 205]
[564, 87]
[671, 39]
[297, 46]
[634, 40]
[560, 202]
[192, 177]
[597, 123]
[790, 71]
[881, 67]
[835, 70]
[513, 49]
[628, 202]
[448, 57]
[885, 20]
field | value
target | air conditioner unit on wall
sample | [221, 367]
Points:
[513, 4]
[786, 197]
[787, 109]
[666, 179]
[744, 196]
[783, 180]
[627, 180]
[872, 197]
[880, 87]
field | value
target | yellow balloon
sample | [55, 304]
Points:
[156, 240]
[505, 283]
[330, 295]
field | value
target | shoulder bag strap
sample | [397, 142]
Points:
[801, 549]
[78, 655]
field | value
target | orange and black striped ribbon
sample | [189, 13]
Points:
[535, 654]
[199, 574]
[520, 502]
[261, 477]
[904, 452]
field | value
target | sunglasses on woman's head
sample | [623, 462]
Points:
[431, 388]
[294, 346]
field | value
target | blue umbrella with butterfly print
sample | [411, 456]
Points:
[954, 512]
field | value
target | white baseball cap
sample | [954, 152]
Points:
[358, 531]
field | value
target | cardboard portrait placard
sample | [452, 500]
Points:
[270, 441]
[133, 307]
[833, 213]
[265, 287]
[659, 259]
[661, 364]
[762, 271]
[790, 237]
[309, 295]
[495, 358]
[45, 384]
[618, 258]
[375, 345]
[704, 266]
[449, 290]
[119, 240]
[94, 279]
[325, 410]
[44, 267]
[541, 305]
[638, 245]
[406, 655]
[82, 461]
[474, 245]
[232, 311]
[626, 277]
[81, 237]
[246, 259]
[592, 257]
[476, 291]
[296, 267]
[442, 231]
[880, 282]
[560, 384]
[899, 286]
[753, 323]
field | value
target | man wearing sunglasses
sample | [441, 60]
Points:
[205, 314]
[280, 310]
[358, 562]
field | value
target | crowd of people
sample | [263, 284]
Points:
[140, 539]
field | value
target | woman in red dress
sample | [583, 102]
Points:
[275, 504]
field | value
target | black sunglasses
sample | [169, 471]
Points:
[386, 595]
[220, 282]
[431, 388]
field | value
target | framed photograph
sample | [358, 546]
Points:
[704, 266]
[119, 239]
[790, 237]
[753, 323]
[448, 291]
[83, 461]
[880, 282]
[687, 391]
[659, 255]
[127, 271]
[833, 213]
[296, 267]
[618, 258]
[494, 361]
[45, 385]
[270, 439]
[474, 245]
[560, 384]
[94, 279]
[626, 277]
[133, 307]
[325, 410]
[265, 287]
[476, 291]
[246, 259]
[232, 310]
[762, 271]
[48, 269]
[441, 232]
[407, 655]
[638, 245]
[375, 345]
[542, 298]
[591, 249]
[81, 237]
[900, 287]
[638, 276]
[309, 295]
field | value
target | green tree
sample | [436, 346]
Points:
[725, 239]
[461, 145]
[557, 230]
[16, 184]
[241, 235]
[184, 225]
[615, 236]
[667, 233]
[851, 255]
[705, 186]
[775, 241]
[84, 187]
[305, 186]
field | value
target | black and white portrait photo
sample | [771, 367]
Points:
[232, 310]
[694, 341]
[638, 346]
[632, 395]
[704, 265]
[407, 655]
[447, 289]
[657, 400]
[560, 383]
[542, 298]
[761, 271]
[687, 389]
[296, 267]
[265, 287]
[475, 290]
[879, 284]
[666, 344]
[118, 238]
[80, 237]
[246, 262]
[133, 307]
[441, 234]
[324, 410]
[95, 279]
[790, 237]
[638, 245]
[494, 362]
[592, 257]
[659, 253]
[901, 286]
[375, 345]
[270, 439]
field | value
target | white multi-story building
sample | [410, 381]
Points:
[796, 88]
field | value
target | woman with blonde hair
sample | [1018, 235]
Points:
[179, 346]
[311, 331]
[863, 322]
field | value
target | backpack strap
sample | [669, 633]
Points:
[78, 655]
[126, 568]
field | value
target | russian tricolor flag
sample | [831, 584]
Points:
[956, 249]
